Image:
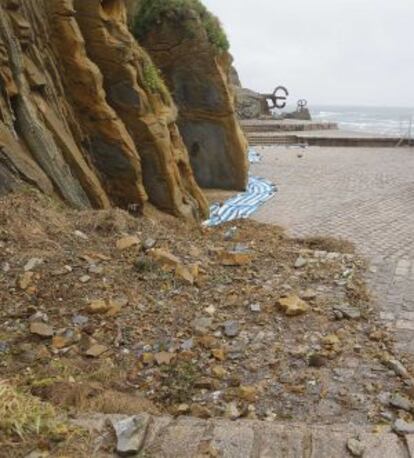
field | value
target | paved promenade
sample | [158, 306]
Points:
[365, 195]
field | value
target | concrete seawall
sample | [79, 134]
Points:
[288, 132]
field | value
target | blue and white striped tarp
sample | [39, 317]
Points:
[246, 203]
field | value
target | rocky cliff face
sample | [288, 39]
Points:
[187, 44]
[83, 112]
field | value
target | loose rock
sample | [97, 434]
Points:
[293, 305]
[202, 325]
[166, 259]
[300, 262]
[398, 368]
[348, 311]
[232, 411]
[400, 402]
[256, 308]
[32, 264]
[231, 328]
[184, 274]
[96, 350]
[130, 434]
[235, 258]
[41, 329]
[127, 242]
[25, 280]
[356, 447]
[97, 307]
[402, 427]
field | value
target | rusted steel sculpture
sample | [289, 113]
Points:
[277, 98]
[302, 104]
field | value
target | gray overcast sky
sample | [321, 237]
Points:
[353, 52]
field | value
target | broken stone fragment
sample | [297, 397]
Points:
[96, 350]
[183, 273]
[65, 339]
[293, 305]
[164, 358]
[398, 368]
[256, 308]
[80, 320]
[399, 402]
[94, 269]
[166, 259]
[41, 329]
[331, 340]
[402, 427]
[25, 280]
[231, 328]
[308, 295]
[235, 258]
[149, 244]
[98, 306]
[232, 411]
[219, 372]
[81, 235]
[348, 311]
[300, 262]
[210, 310]
[355, 447]
[219, 354]
[316, 360]
[32, 264]
[130, 434]
[182, 409]
[128, 242]
[202, 325]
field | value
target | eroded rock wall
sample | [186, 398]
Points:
[143, 103]
[198, 75]
[77, 120]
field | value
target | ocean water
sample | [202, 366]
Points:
[376, 120]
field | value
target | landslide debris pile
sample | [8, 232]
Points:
[86, 116]
[103, 312]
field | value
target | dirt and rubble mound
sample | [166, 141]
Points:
[102, 311]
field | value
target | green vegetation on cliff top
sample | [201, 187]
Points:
[152, 11]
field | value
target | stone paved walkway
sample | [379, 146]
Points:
[365, 195]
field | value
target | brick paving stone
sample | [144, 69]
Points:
[365, 195]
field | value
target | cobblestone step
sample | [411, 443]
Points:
[165, 437]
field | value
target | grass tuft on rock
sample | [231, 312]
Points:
[152, 12]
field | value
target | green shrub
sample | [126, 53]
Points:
[153, 11]
[152, 78]
[153, 81]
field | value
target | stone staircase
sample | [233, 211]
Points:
[166, 437]
[268, 133]
[271, 140]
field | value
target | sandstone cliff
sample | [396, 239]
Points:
[190, 48]
[83, 112]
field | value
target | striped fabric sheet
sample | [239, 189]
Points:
[246, 203]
